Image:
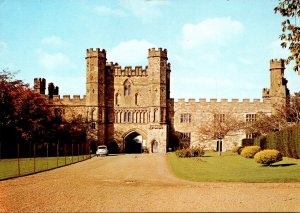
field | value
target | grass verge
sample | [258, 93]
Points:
[11, 168]
[233, 168]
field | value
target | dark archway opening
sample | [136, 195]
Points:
[113, 148]
[93, 147]
[133, 143]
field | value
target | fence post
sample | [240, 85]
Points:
[19, 170]
[47, 155]
[57, 154]
[78, 152]
[65, 154]
[34, 158]
[82, 153]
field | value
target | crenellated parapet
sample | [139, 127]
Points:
[158, 53]
[222, 101]
[67, 100]
[90, 53]
[276, 64]
[128, 71]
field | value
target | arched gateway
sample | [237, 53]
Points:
[122, 101]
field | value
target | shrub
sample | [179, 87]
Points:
[250, 151]
[240, 149]
[234, 149]
[268, 156]
[190, 152]
[286, 141]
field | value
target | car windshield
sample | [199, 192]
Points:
[101, 147]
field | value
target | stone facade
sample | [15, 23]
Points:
[130, 109]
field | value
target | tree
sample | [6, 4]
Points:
[290, 36]
[284, 117]
[220, 126]
[23, 113]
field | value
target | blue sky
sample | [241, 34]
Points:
[217, 48]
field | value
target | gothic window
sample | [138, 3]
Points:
[250, 117]
[145, 117]
[127, 88]
[125, 116]
[116, 117]
[117, 94]
[185, 118]
[136, 98]
[93, 125]
[129, 117]
[154, 115]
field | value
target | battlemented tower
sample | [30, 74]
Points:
[95, 90]
[157, 69]
[278, 84]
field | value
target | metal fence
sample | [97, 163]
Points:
[28, 159]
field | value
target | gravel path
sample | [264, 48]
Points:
[137, 183]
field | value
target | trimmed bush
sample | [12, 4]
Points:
[268, 157]
[250, 151]
[190, 152]
[234, 149]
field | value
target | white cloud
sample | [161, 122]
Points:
[144, 9]
[213, 31]
[277, 51]
[53, 40]
[54, 62]
[108, 11]
[133, 52]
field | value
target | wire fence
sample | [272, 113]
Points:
[30, 159]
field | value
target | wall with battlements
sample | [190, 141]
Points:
[203, 111]
[122, 102]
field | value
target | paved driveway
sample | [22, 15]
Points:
[138, 183]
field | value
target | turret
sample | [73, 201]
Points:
[40, 85]
[158, 70]
[278, 84]
[95, 93]
[52, 90]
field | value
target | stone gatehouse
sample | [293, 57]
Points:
[130, 109]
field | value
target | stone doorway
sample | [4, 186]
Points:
[154, 146]
[133, 143]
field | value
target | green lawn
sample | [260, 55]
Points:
[9, 167]
[233, 168]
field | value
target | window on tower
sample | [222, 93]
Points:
[127, 88]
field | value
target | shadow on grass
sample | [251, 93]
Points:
[280, 165]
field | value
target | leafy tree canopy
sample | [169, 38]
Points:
[290, 37]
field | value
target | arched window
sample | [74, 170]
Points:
[129, 117]
[127, 88]
[125, 116]
[136, 98]
[117, 95]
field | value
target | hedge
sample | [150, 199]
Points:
[286, 141]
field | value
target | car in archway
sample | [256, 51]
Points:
[101, 150]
